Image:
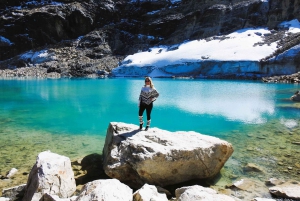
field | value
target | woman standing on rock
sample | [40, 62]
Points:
[147, 96]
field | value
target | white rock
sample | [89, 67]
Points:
[105, 190]
[147, 193]
[199, 193]
[290, 189]
[245, 184]
[263, 199]
[48, 197]
[52, 174]
[4, 199]
[11, 173]
[161, 157]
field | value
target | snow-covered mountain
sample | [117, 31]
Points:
[239, 53]
[160, 38]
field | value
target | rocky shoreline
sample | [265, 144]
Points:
[41, 72]
[89, 169]
[293, 78]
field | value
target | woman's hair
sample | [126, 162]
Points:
[151, 83]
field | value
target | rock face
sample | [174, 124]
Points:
[52, 174]
[89, 37]
[160, 157]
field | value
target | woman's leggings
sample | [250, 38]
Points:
[148, 109]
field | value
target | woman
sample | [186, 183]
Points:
[147, 96]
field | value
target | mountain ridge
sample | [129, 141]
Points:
[88, 37]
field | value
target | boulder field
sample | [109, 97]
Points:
[138, 166]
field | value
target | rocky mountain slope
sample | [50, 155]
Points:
[92, 37]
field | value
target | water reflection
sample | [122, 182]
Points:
[235, 101]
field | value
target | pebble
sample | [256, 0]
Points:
[280, 163]
[12, 172]
[250, 149]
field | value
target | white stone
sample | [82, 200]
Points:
[199, 193]
[48, 197]
[147, 193]
[161, 157]
[11, 173]
[263, 199]
[52, 174]
[290, 189]
[105, 190]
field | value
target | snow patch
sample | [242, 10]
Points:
[293, 26]
[242, 46]
[38, 57]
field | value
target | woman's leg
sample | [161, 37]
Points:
[141, 111]
[148, 111]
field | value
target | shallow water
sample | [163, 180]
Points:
[70, 117]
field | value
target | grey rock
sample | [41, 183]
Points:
[159, 157]
[14, 193]
[106, 190]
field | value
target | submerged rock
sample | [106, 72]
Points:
[161, 157]
[296, 97]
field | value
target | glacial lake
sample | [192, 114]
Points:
[70, 117]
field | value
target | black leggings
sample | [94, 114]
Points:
[148, 109]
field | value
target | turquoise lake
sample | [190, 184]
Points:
[70, 117]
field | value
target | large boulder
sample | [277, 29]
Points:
[160, 157]
[52, 174]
